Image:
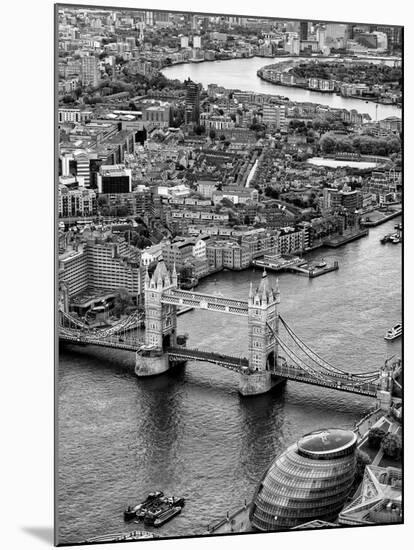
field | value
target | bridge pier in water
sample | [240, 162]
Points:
[147, 364]
[257, 383]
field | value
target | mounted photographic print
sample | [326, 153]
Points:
[229, 233]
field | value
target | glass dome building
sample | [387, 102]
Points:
[310, 480]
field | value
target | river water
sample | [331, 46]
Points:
[241, 74]
[189, 432]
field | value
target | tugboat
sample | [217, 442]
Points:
[152, 498]
[166, 516]
[394, 332]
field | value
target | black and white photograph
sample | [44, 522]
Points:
[206, 275]
[229, 236]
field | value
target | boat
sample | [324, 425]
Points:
[394, 332]
[321, 264]
[394, 238]
[152, 498]
[167, 516]
[151, 515]
[158, 507]
[117, 537]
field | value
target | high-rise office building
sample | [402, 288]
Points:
[114, 179]
[89, 71]
[337, 32]
[321, 36]
[192, 102]
[304, 30]
[274, 115]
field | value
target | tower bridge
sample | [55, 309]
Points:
[275, 352]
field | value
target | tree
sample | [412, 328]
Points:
[122, 301]
[142, 242]
[227, 202]
[391, 446]
[68, 99]
[362, 460]
[328, 144]
[375, 437]
[102, 201]
[186, 272]
[199, 129]
[271, 192]
[142, 230]
[212, 134]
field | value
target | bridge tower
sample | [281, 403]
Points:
[263, 314]
[160, 319]
[160, 322]
[263, 325]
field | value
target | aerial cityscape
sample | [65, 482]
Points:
[229, 236]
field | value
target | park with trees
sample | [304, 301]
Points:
[331, 143]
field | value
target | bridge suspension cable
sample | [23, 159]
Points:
[365, 376]
[324, 375]
[300, 363]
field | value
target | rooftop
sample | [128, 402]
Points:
[326, 442]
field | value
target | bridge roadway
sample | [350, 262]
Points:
[297, 374]
[236, 364]
[289, 372]
[179, 297]
[129, 344]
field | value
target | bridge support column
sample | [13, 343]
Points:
[258, 382]
[384, 399]
[151, 365]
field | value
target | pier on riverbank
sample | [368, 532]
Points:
[377, 217]
[339, 240]
[295, 265]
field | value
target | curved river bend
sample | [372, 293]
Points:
[241, 74]
[189, 432]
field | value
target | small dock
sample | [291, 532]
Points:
[295, 265]
[339, 240]
[321, 271]
[377, 217]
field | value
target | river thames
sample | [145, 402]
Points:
[188, 432]
[240, 74]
